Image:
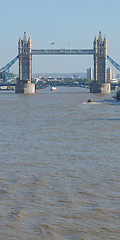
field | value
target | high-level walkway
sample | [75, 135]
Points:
[62, 51]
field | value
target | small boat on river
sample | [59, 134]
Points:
[89, 101]
[53, 88]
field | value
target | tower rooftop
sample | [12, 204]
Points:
[100, 36]
[24, 37]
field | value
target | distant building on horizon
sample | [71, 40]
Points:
[117, 75]
[90, 73]
[109, 73]
[75, 76]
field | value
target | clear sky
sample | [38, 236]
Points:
[60, 21]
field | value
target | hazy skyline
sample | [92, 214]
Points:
[68, 23]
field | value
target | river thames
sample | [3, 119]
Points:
[59, 165]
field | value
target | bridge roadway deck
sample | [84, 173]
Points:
[7, 84]
[62, 51]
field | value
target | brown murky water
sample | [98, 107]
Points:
[59, 166]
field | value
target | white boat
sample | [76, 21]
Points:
[53, 88]
[114, 81]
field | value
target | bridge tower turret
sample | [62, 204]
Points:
[95, 58]
[25, 59]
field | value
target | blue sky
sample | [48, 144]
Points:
[61, 21]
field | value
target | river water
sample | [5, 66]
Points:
[59, 165]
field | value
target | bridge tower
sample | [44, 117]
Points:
[25, 58]
[100, 59]
[100, 83]
[24, 84]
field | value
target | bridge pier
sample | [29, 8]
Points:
[100, 84]
[24, 84]
[27, 88]
[97, 87]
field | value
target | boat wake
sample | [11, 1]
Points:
[91, 103]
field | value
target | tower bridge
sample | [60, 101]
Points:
[25, 53]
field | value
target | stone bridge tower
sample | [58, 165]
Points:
[100, 59]
[24, 84]
[25, 59]
[100, 66]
